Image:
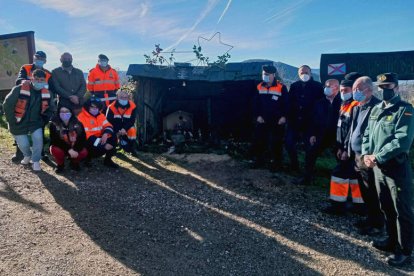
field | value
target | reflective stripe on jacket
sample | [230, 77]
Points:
[344, 123]
[271, 102]
[100, 81]
[24, 99]
[94, 126]
[121, 117]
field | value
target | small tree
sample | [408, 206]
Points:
[157, 56]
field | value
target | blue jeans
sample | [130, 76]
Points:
[24, 144]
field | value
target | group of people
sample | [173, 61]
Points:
[80, 127]
[370, 138]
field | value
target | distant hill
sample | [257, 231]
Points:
[288, 73]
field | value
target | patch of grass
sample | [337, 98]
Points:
[5, 137]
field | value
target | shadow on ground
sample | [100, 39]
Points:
[196, 220]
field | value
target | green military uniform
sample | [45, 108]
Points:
[388, 137]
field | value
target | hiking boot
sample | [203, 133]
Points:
[17, 156]
[304, 181]
[75, 166]
[384, 245]
[26, 160]
[333, 210]
[370, 231]
[36, 166]
[59, 169]
[399, 259]
[134, 152]
[88, 162]
[111, 164]
[361, 223]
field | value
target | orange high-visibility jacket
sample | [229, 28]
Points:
[100, 81]
[26, 72]
[94, 126]
[123, 117]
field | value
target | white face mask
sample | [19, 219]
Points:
[266, 78]
[304, 77]
[103, 63]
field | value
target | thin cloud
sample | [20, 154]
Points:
[287, 12]
[224, 11]
[210, 5]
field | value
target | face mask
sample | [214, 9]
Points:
[66, 63]
[359, 96]
[65, 116]
[304, 77]
[328, 91]
[123, 102]
[386, 94]
[103, 63]
[265, 78]
[39, 63]
[94, 111]
[39, 85]
[346, 96]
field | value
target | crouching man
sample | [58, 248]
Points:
[100, 138]
[122, 115]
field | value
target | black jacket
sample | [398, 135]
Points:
[59, 133]
[325, 119]
[301, 100]
[123, 122]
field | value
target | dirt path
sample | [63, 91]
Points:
[185, 215]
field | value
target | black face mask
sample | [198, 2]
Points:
[386, 94]
[66, 63]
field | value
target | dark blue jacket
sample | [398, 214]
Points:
[271, 102]
[325, 119]
[302, 99]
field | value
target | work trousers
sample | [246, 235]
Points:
[395, 190]
[366, 181]
[268, 138]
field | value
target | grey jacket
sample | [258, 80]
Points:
[354, 121]
[67, 84]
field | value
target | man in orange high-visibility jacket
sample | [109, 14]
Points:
[100, 138]
[122, 115]
[103, 81]
[344, 177]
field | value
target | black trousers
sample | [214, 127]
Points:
[99, 150]
[293, 137]
[366, 181]
[313, 151]
[395, 189]
[268, 138]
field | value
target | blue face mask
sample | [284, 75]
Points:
[65, 116]
[39, 63]
[346, 96]
[39, 85]
[266, 78]
[359, 96]
[103, 63]
[123, 102]
[327, 91]
[94, 111]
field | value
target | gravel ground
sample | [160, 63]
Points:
[174, 215]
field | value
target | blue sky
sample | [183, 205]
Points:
[294, 32]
